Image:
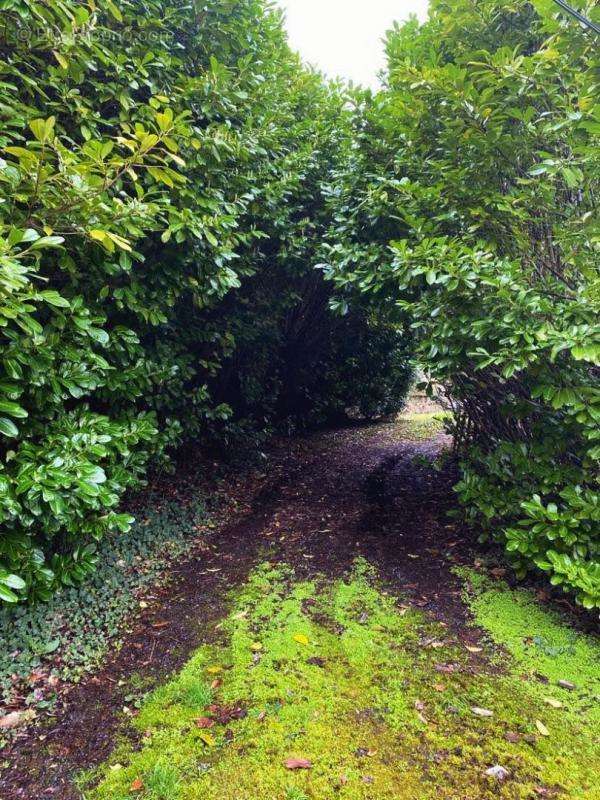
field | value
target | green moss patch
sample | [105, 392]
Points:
[421, 426]
[364, 696]
[539, 639]
[560, 667]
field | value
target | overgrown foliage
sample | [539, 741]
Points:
[470, 205]
[71, 634]
[160, 200]
[168, 175]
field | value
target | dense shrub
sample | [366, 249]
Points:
[169, 174]
[160, 170]
[470, 205]
[298, 367]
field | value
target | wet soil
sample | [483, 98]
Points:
[325, 501]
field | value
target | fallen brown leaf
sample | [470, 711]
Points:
[204, 722]
[445, 668]
[12, 720]
[16, 718]
[298, 763]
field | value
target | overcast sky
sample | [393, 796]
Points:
[343, 37]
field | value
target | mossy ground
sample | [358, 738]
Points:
[374, 694]
[421, 426]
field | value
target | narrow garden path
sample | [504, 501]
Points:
[339, 640]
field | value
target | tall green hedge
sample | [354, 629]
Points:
[172, 181]
[470, 205]
[529, 411]
[160, 172]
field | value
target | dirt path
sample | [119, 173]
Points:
[338, 500]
